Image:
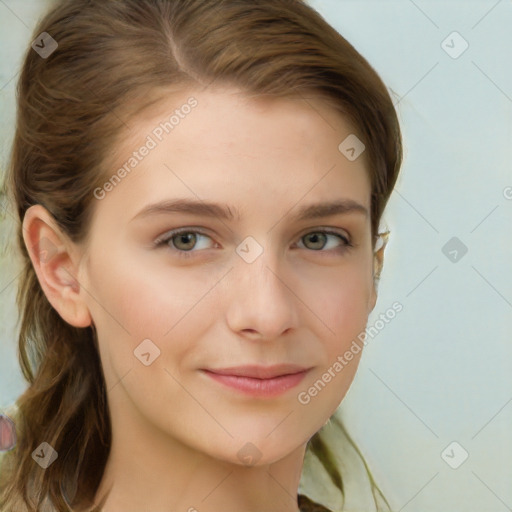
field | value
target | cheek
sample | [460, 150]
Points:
[132, 297]
[343, 309]
[341, 302]
[133, 303]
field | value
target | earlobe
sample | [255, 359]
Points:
[373, 295]
[378, 260]
[375, 278]
[378, 263]
[53, 258]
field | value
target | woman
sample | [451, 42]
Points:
[199, 186]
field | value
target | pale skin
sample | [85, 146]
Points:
[177, 433]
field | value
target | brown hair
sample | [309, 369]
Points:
[114, 59]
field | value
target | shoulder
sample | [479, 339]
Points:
[307, 505]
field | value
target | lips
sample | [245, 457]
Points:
[259, 372]
[259, 381]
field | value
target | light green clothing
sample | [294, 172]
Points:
[359, 491]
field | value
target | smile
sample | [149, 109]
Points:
[259, 387]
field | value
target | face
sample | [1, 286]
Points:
[257, 285]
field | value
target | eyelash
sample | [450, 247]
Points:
[164, 239]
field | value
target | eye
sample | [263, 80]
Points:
[184, 240]
[317, 240]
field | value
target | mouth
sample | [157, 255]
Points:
[259, 381]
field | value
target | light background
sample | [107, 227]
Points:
[441, 370]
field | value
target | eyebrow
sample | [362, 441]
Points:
[225, 212]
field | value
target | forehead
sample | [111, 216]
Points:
[222, 144]
[221, 114]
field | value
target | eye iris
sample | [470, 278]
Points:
[184, 236]
[189, 239]
[314, 237]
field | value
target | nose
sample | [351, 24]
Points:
[261, 304]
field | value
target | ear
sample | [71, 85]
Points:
[378, 263]
[55, 260]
